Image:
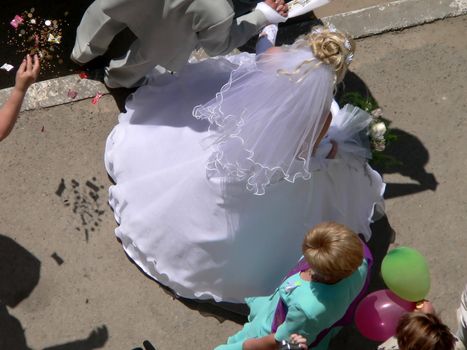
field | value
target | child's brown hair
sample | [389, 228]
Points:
[420, 331]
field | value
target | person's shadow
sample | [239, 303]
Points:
[406, 155]
[19, 275]
[410, 157]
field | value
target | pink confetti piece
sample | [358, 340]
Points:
[15, 22]
[72, 94]
[96, 98]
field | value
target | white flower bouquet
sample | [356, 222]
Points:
[379, 134]
[377, 131]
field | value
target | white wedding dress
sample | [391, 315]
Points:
[207, 237]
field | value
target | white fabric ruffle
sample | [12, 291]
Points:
[267, 117]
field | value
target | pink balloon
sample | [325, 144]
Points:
[378, 313]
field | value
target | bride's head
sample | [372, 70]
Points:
[331, 47]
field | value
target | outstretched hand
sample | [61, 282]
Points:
[279, 6]
[27, 73]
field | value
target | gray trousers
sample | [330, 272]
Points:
[167, 31]
[95, 33]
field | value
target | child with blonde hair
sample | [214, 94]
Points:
[315, 295]
[27, 74]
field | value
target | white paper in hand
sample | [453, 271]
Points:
[300, 7]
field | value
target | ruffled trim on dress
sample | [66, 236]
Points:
[154, 269]
[258, 137]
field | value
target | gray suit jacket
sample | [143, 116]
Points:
[170, 30]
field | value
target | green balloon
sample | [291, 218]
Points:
[405, 272]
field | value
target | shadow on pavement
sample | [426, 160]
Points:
[19, 275]
[407, 155]
[412, 157]
[146, 345]
[96, 339]
[120, 96]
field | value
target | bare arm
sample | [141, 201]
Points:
[264, 343]
[9, 112]
[323, 132]
[26, 75]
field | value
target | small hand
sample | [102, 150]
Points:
[425, 306]
[27, 73]
[279, 6]
[333, 152]
[298, 339]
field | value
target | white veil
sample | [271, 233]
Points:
[267, 117]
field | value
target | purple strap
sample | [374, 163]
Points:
[302, 265]
[281, 309]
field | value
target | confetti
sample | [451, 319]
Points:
[83, 75]
[7, 67]
[72, 94]
[33, 34]
[17, 21]
[57, 258]
[54, 39]
[96, 98]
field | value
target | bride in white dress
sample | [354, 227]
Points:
[221, 169]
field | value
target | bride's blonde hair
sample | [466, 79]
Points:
[331, 47]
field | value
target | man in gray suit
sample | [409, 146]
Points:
[166, 31]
